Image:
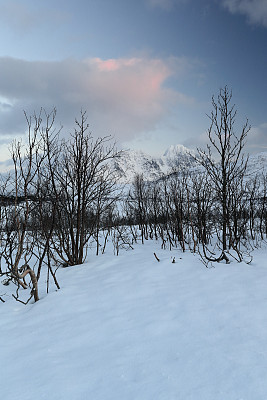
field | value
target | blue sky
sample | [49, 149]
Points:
[145, 70]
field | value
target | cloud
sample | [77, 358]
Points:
[124, 96]
[257, 138]
[255, 10]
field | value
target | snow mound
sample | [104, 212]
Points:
[130, 327]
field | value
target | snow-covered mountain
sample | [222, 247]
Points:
[257, 163]
[176, 150]
[175, 158]
[134, 162]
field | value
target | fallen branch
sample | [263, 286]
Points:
[29, 271]
[156, 257]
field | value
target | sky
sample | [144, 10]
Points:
[144, 70]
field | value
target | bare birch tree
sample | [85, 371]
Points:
[84, 187]
[224, 159]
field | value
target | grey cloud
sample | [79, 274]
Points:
[255, 10]
[257, 138]
[123, 97]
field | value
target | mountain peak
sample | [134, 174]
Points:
[176, 157]
[175, 150]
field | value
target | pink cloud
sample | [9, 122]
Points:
[112, 64]
[130, 90]
[143, 80]
[124, 96]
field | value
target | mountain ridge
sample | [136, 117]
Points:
[133, 162]
[176, 157]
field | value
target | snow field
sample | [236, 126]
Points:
[131, 328]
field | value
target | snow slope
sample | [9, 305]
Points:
[131, 328]
[257, 163]
[134, 162]
[176, 157]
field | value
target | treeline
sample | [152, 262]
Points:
[184, 211]
[63, 196]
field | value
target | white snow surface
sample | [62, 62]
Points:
[132, 328]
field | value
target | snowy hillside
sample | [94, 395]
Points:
[129, 327]
[136, 162]
[258, 163]
[175, 158]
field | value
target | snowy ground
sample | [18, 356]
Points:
[131, 328]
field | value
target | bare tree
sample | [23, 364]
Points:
[84, 186]
[223, 159]
[26, 217]
[138, 200]
[18, 248]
